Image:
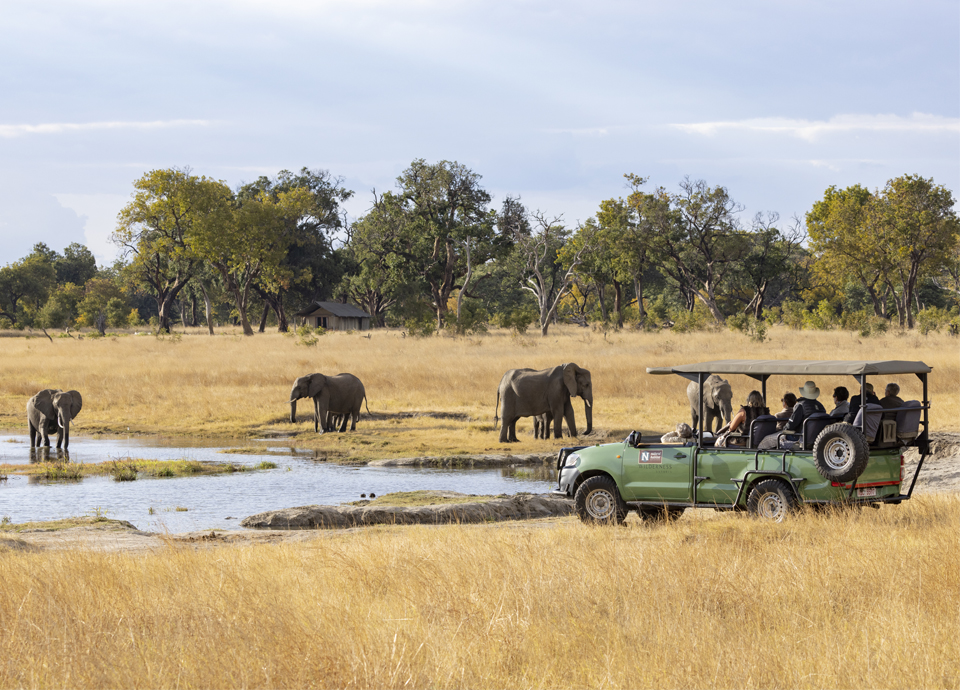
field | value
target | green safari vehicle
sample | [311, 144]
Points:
[829, 462]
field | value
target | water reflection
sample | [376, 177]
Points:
[178, 504]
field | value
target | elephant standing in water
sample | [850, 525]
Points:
[332, 395]
[51, 411]
[529, 393]
[717, 397]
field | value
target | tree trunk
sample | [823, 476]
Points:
[263, 317]
[209, 310]
[618, 302]
[638, 291]
[194, 322]
[601, 289]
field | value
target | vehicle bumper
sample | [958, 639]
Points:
[566, 481]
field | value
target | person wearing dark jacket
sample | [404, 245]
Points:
[855, 402]
[807, 404]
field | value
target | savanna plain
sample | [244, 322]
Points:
[839, 598]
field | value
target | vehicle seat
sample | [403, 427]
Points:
[812, 426]
[908, 421]
[872, 424]
[761, 427]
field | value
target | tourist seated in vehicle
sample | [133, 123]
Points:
[807, 404]
[741, 420]
[789, 401]
[891, 399]
[841, 402]
[855, 402]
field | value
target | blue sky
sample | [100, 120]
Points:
[553, 101]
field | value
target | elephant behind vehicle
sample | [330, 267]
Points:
[52, 410]
[529, 393]
[342, 394]
[717, 397]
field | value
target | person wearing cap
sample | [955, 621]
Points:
[855, 402]
[807, 404]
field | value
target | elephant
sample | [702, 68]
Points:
[332, 395]
[529, 393]
[717, 397]
[50, 411]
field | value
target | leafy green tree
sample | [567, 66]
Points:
[94, 309]
[77, 265]
[774, 266]
[921, 231]
[25, 286]
[444, 207]
[60, 310]
[158, 231]
[310, 269]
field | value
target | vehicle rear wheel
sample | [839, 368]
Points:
[598, 500]
[771, 499]
[840, 453]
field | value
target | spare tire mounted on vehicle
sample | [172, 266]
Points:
[840, 453]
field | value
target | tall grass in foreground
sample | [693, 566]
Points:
[235, 386]
[837, 599]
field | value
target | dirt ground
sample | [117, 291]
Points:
[940, 473]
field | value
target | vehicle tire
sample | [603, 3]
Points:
[771, 499]
[598, 501]
[661, 514]
[840, 453]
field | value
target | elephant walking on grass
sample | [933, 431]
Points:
[342, 395]
[717, 397]
[529, 393]
[51, 411]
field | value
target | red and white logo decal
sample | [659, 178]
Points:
[651, 457]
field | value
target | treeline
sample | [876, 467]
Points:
[436, 253]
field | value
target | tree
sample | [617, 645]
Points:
[445, 205]
[551, 259]
[25, 286]
[696, 239]
[309, 269]
[94, 309]
[920, 229]
[773, 264]
[77, 265]
[60, 310]
[158, 230]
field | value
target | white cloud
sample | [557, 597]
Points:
[811, 130]
[99, 215]
[10, 131]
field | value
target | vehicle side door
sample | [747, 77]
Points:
[657, 472]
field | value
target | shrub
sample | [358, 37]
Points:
[749, 325]
[793, 314]
[420, 326]
[823, 318]
[473, 319]
[934, 318]
[773, 315]
[697, 320]
[519, 319]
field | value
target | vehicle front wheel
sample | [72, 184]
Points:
[598, 500]
[771, 499]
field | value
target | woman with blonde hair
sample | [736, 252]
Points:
[743, 418]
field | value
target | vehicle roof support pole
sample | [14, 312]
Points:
[700, 402]
[862, 378]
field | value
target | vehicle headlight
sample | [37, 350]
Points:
[573, 460]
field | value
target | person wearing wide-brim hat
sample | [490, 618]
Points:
[806, 405]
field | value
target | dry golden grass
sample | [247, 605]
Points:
[824, 600]
[238, 387]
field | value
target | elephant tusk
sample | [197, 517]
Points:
[293, 400]
[59, 422]
[587, 403]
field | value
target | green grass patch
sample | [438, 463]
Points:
[421, 498]
[129, 469]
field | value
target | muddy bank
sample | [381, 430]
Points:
[466, 460]
[941, 469]
[518, 507]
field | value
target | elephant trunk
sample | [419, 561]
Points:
[726, 409]
[588, 413]
[293, 411]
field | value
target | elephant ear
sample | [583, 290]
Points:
[43, 401]
[570, 378]
[76, 403]
[317, 382]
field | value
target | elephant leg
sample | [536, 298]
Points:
[505, 417]
[571, 419]
[343, 422]
[33, 434]
[353, 424]
[512, 431]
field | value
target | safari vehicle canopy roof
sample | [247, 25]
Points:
[786, 367]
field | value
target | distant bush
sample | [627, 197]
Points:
[793, 312]
[932, 319]
[749, 325]
[473, 319]
[519, 319]
[697, 320]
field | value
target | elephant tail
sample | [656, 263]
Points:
[365, 403]
[495, 409]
